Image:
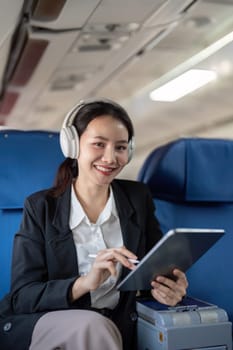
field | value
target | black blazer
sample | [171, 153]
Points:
[45, 265]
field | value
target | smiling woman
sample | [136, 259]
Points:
[80, 121]
[58, 293]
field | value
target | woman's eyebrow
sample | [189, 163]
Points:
[106, 139]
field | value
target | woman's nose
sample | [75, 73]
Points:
[109, 154]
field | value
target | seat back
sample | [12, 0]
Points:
[29, 160]
[191, 181]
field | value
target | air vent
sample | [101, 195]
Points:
[98, 42]
[105, 37]
[100, 47]
[67, 81]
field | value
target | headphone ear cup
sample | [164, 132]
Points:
[69, 142]
[131, 148]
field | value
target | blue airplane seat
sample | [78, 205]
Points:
[191, 180]
[29, 160]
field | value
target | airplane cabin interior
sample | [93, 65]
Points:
[55, 53]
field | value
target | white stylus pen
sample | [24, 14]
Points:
[131, 260]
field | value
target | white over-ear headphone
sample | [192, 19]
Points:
[69, 138]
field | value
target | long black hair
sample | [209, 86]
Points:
[86, 112]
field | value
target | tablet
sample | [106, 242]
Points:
[179, 248]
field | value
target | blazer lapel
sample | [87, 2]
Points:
[62, 212]
[130, 229]
[62, 242]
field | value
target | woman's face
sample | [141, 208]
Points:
[103, 150]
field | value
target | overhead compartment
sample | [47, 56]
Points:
[10, 16]
[74, 47]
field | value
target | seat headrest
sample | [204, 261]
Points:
[191, 169]
[28, 162]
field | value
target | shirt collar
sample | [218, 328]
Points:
[109, 209]
[77, 214]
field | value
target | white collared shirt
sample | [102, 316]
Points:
[89, 238]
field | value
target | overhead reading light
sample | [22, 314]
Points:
[183, 85]
[185, 66]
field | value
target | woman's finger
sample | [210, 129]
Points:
[121, 255]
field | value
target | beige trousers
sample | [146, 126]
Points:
[75, 330]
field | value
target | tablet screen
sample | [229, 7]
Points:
[179, 248]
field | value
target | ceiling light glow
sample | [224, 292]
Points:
[183, 85]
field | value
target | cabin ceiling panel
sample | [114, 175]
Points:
[112, 11]
[202, 25]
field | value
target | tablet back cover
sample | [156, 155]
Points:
[179, 248]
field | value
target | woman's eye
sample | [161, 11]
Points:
[99, 144]
[121, 148]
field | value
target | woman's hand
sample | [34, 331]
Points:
[103, 266]
[168, 291]
[105, 263]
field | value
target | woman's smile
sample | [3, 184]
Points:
[105, 170]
